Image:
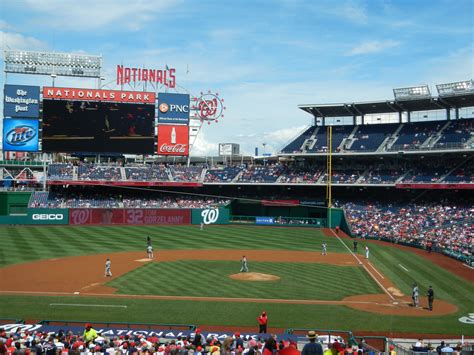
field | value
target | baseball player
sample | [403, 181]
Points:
[367, 251]
[325, 249]
[201, 226]
[108, 267]
[149, 251]
[244, 267]
[414, 294]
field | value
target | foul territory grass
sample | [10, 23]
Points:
[28, 243]
[297, 280]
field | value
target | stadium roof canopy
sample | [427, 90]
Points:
[448, 101]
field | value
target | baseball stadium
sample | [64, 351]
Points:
[357, 234]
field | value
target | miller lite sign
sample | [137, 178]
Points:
[173, 140]
[20, 135]
[173, 108]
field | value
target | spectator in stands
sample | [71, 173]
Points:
[312, 348]
[89, 333]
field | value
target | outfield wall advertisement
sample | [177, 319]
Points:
[133, 216]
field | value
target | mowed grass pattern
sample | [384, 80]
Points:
[28, 243]
[206, 278]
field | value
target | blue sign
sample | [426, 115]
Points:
[173, 108]
[21, 101]
[264, 220]
[20, 135]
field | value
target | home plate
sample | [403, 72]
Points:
[144, 260]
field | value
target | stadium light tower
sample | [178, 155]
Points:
[412, 93]
[52, 63]
[457, 88]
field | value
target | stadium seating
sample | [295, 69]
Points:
[448, 227]
[369, 137]
[413, 135]
[99, 172]
[60, 171]
[223, 174]
[295, 145]
[457, 133]
[96, 199]
[147, 173]
[265, 174]
[186, 173]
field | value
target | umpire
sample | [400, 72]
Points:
[430, 298]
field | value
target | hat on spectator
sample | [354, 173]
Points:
[311, 335]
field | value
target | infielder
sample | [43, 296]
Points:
[325, 249]
[108, 266]
[367, 251]
[244, 267]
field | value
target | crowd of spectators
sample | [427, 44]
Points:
[97, 199]
[301, 175]
[421, 172]
[60, 171]
[445, 227]
[186, 173]
[261, 173]
[99, 172]
[18, 341]
[147, 173]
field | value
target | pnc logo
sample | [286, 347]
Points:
[164, 107]
[20, 135]
[48, 217]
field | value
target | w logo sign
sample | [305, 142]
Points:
[209, 216]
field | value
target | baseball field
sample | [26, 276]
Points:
[57, 273]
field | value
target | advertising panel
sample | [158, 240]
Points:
[20, 135]
[264, 220]
[48, 216]
[211, 216]
[88, 126]
[21, 101]
[173, 140]
[173, 108]
[135, 216]
[76, 94]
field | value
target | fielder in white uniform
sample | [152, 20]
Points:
[367, 251]
[108, 267]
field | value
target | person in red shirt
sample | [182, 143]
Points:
[262, 322]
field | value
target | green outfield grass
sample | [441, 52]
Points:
[297, 280]
[24, 244]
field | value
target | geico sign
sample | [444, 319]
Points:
[48, 217]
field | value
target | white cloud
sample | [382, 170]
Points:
[203, 147]
[92, 14]
[10, 40]
[370, 47]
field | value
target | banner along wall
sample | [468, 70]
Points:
[130, 216]
[211, 215]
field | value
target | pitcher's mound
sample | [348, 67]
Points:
[254, 276]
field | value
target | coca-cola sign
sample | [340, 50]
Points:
[177, 148]
[173, 140]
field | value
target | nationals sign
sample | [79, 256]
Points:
[173, 140]
[75, 94]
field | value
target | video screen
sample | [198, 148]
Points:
[87, 126]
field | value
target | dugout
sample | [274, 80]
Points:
[251, 209]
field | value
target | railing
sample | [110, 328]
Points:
[149, 326]
[20, 163]
[444, 146]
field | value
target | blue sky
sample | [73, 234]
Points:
[263, 57]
